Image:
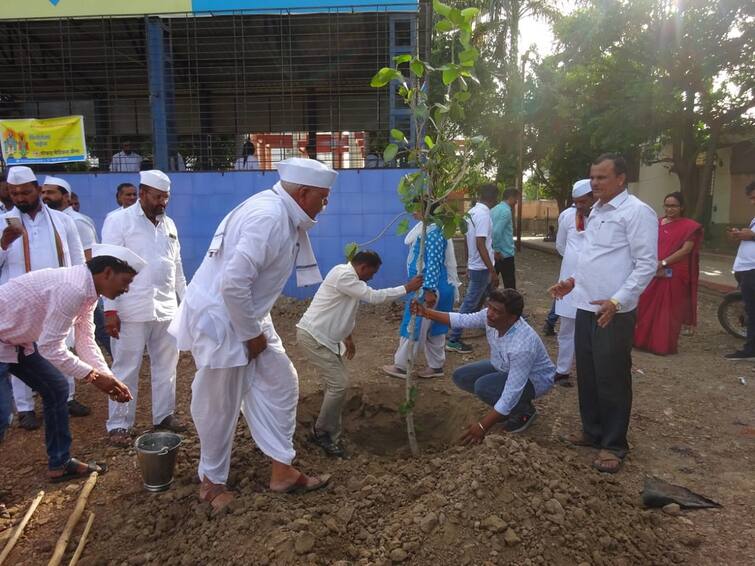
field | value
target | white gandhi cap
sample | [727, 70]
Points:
[121, 253]
[20, 174]
[581, 188]
[155, 179]
[310, 172]
[58, 182]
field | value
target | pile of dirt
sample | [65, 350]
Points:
[508, 501]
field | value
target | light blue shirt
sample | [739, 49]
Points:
[520, 353]
[503, 229]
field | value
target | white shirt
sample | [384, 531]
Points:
[619, 256]
[333, 312]
[42, 250]
[479, 225]
[87, 232]
[231, 294]
[569, 243]
[251, 163]
[745, 260]
[3, 210]
[520, 353]
[125, 163]
[152, 295]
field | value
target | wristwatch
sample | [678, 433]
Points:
[617, 304]
[664, 263]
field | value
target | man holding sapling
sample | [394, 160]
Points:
[518, 371]
[324, 333]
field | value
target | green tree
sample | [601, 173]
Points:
[640, 75]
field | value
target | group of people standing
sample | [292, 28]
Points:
[610, 241]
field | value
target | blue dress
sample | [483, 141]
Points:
[435, 279]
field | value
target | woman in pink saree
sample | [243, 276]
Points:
[670, 300]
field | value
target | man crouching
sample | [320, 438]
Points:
[518, 371]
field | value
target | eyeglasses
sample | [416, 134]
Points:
[671, 206]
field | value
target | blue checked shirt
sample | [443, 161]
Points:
[520, 353]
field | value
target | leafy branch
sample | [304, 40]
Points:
[442, 157]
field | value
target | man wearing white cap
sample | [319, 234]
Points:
[39, 311]
[569, 239]
[35, 237]
[56, 193]
[225, 322]
[141, 318]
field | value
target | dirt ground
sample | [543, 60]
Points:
[516, 499]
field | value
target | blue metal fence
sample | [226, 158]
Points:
[362, 203]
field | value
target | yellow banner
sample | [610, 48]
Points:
[19, 9]
[47, 140]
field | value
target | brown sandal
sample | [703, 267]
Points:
[607, 462]
[301, 485]
[578, 439]
[216, 494]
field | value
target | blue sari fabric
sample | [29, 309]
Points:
[435, 278]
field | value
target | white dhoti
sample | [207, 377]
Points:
[266, 391]
[434, 348]
[565, 345]
[23, 395]
[128, 352]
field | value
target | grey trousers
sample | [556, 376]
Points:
[335, 379]
[604, 378]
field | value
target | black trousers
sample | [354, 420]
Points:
[507, 270]
[604, 378]
[746, 280]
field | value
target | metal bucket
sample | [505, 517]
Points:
[156, 452]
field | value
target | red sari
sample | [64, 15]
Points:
[669, 302]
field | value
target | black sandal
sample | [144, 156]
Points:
[72, 470]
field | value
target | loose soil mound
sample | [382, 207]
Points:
[509, 501]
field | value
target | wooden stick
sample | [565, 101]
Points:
[82, 541]
[20, 527]
[60, 546]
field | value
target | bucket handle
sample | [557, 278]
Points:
[164, 450]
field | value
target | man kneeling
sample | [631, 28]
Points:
[324, 333]
[518, 371]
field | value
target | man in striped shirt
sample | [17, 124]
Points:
[39, 310]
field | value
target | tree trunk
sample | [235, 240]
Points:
[703, 210]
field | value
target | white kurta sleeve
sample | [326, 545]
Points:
[256, 247]
[112, 233]
[180, 276]
[75, 249]
[87, 234]
[562, 233]
[349, 284]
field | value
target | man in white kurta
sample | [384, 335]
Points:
[569, 239]
[225, 322]
[56, 195]
[324, 333]
[37, 238]
[141, 317]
